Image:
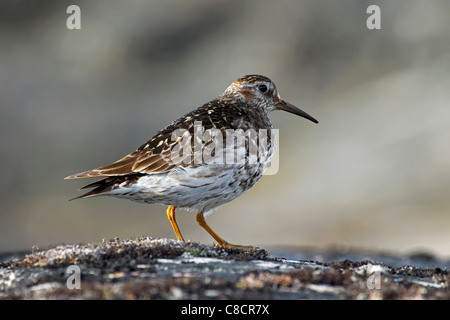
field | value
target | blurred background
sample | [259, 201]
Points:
[373, 174]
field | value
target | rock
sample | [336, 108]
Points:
[147, 268]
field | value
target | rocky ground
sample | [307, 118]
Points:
[148, 268]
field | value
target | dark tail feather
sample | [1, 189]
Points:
[100, 186]
[94, 184]
[106, 184]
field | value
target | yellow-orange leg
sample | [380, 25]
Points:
[220, 242]
[173, 222]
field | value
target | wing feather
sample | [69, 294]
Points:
[155, 156]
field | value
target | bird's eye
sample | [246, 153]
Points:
[262, 88]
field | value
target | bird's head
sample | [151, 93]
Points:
[259, 91]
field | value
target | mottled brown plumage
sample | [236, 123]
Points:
[151, 173]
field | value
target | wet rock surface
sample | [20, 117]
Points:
[147, 268]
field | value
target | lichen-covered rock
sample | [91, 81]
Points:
[148, 268]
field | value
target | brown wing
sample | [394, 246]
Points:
[152, 157]
[155, 156]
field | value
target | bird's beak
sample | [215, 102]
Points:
[286, 106]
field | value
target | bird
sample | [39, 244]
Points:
[172, 168]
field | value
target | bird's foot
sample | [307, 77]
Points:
[227, 245]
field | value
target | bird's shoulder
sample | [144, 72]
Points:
[216, 114]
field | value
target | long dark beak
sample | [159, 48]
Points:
[286, 106]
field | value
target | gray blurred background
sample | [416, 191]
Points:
[373, 174]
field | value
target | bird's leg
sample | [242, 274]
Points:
[173, 222]
[220, 242]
